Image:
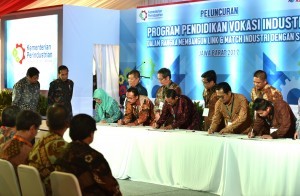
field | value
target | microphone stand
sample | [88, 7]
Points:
[136, 68]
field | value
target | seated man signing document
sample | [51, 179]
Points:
[181, 109]
[233, 109]
[273, 120]
[139, 109]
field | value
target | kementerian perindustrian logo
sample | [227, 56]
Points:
[19, 53]
[151, 14]
[143, 15]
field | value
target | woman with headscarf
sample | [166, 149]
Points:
[107, 109]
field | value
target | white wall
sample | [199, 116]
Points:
[82, 28]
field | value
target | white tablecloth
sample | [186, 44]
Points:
[265, 167]
[231, 165]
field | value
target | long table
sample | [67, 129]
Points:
[225, 165]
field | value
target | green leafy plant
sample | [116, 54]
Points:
[6, 99]
[43, 105]
[199, 109]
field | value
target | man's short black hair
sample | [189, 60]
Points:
[165, 72]
[133, 90]
[261, 74]
[57, 117]
[224, 86]
[32, 71]
[62, 67]
[81, 127]
[135, 73]
[261, 104]
[27, 118]
[171, 93]
[210, 75]
[9, 115]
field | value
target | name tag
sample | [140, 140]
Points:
[229, 123]
[161, 105]
[205, 112]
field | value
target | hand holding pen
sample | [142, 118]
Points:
[251, 134]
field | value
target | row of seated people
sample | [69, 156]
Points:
[224, 112]
[52, 153]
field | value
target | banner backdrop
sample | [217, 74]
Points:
[234, 38]
[31, 42]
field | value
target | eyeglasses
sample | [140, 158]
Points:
[205, 83]
[160, 79]
[130, 98]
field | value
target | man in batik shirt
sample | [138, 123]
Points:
[209, 79]
[139, 109]
[26, 92]
[164, 77]
[233, 108]
[262, 89]
[61, 89]
[16, 150]
[47, 149]
[183, 111]
[273, 120]
[88, 165]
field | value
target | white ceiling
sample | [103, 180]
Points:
[108, 4]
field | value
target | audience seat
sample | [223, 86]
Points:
[8, 179]
[63, 183]
[30, 181]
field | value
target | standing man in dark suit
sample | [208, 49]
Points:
[61, 89]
